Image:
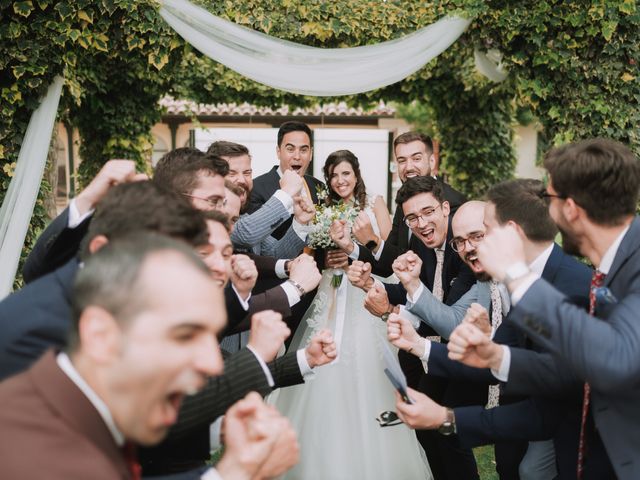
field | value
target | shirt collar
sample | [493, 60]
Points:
[279, 171]
[610, 254]
[64, 362]
[537, 266]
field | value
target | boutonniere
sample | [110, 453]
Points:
[604, 296]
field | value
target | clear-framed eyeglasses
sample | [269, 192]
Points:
[215, 202]
[459, 244]
[425, 214]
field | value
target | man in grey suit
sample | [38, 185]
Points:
[593, 190]
[254, 228]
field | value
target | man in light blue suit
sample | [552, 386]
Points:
[593, 190]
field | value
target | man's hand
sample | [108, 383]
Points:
[362, 229]
[244, 275]
[401, 333]
[112, 173]
[303, 210]
[268, 333]
[359, 274]
[407, 268]
[304, 271]
[336, 259]
[377, 300]
[321, 349]
[291, 183]
[285, 452]
[479, 316]
[423, 414]
[248, 441]
[500, 249]
[340, 233]
[469, 345]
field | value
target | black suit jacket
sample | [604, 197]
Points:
[397, 242]
[266, 185]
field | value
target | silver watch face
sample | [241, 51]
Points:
[447, 428]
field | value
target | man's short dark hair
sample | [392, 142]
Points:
[600, 175]
[521, 201]
[178, 170]
[417, 185]
[409, 137]
[110, 279]
[145, 206]
[219, 217]
[223, 148]
[293, 126]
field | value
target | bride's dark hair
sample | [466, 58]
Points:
[334, 159]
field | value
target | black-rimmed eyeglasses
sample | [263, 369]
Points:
[459, 244]
[544, 195]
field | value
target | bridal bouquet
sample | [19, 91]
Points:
[319, 236]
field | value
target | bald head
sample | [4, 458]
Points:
[468, 229]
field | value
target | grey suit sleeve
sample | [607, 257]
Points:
[443, 318]
[286, 371]
[253, 228]
[289, 246]
[603, 353]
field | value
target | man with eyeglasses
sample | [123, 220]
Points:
[518, 203]
[414, 156]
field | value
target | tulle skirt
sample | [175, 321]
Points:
[334, 412]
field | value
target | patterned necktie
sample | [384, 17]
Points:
[496, 320]
[438, 292]
[597, 280]
[131, 459]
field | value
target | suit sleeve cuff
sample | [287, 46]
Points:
[503, 372]
[293, 296]
[211, 474]
[244, 303]
[425, 356]
[377, 254]
[280, 273]
[75, 218]
[355, 252]
[411, 300]
[285, 199]
[305, 370]
[265, 368]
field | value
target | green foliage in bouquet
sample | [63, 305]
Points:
[319, 236]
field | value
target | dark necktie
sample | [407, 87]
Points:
[131, 459]
[597, 280]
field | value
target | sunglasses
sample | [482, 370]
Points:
[388, 419]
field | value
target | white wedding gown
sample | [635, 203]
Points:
[334, 412]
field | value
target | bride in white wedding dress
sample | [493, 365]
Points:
[334, 413]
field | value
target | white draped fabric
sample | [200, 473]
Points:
[22, 193]
[308, 70]
[489, 64]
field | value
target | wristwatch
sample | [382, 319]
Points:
[515, 272]
[385, 316]
[449, 425]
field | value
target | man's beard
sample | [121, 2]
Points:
[483, 277]
[569, 244]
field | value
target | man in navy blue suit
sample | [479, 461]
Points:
[517, 202]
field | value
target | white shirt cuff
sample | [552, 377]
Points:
[215, 430]
[411, 301]
[75, 218]
[503, 373]
[519, 292]
[280, 272]
[285, 199]
[265, 367]
[355, 252]
[292, 293]
[244, 303]
[305, 370]
[211, 474]
[425, 356]
[377, 254]
[301, 230]
[414, 319]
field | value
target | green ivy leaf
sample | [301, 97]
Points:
[23, 8]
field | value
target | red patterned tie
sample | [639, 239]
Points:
[131, 459]
[597, 280]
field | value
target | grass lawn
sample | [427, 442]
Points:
[486, 462]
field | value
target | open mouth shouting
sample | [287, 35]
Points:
[471, 259]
